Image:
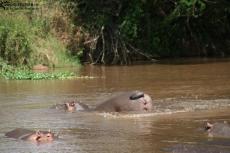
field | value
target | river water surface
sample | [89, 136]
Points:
[186, 96]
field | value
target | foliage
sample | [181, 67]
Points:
[26, 38]
[115, 31]
[190, 7]
[171, 28]
[195, 28]
[50, 51]
[15, 44]
[130, 22]
[30, 75]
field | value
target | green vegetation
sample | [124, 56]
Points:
[59, 33]
[30, 75]
[29, 37]
[26, 40]
[126, 31]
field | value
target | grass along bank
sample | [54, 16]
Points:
[25, 41]
[27, 38]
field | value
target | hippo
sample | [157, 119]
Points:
[72, 106]
[32, 136]
[196, 148]
[218, 129]
[127, 101]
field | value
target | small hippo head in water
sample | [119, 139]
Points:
[218, 129]
[28, 135]
[41, 136]
[75, 106]
[70, 106]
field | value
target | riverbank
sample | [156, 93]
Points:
[65, 32]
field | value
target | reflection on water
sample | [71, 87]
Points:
[185, 97]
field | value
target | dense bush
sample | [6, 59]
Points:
[170, 28]
[115, 32]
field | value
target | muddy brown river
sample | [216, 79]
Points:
[186, 95]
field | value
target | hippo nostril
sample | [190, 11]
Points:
[146, 109]
[207, 128]
[38, 137]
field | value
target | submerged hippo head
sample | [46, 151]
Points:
[41, 136]
[75, 106]
[28, 135]
[218, 129]
[70, 106]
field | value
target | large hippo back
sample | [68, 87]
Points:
[128, 101]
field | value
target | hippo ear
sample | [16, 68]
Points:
[38, 135]
[38, 132]
[49, 131]
[136, 95]
[209, 125]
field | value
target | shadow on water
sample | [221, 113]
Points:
[185, 97]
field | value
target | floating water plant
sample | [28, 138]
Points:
[24, 73]
[30, 75]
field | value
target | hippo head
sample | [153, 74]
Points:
[143, 100]
[75, 106]
[70, 106]
[42, 136]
